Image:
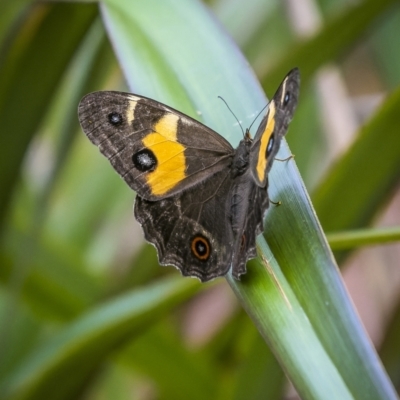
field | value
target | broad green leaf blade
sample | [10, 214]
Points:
[311, 280]
[303, 254]
[269, 299]
[352, 191]
[78, 351]
[24, 97]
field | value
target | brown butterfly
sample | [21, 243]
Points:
[200, 201]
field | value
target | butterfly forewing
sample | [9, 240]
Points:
[156, 149]
[273, 127]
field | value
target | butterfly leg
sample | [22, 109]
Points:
[275, 203]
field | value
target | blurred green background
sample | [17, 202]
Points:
[85, 310]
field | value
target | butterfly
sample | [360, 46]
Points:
[199, 201]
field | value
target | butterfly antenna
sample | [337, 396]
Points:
[241, 127]
[255, 119]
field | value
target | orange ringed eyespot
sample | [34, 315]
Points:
[200, 247]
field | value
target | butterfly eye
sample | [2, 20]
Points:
[115, 118]
[286, 99]
[200, 248]
[144, 160]
[270, 145]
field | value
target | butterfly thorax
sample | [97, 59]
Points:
[242, 187]
[240, 162]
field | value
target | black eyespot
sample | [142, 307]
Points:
[270, 146]
[144, 160]
[286, 99]
[115, 118]
[200, 247]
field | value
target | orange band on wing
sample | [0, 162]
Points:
[262, 153]
[170, 156]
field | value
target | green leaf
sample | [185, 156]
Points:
[293, 292]
[268, 298]
[52, 277]
[309, 284]
[362, 237]
[24, 97]
[61, 366]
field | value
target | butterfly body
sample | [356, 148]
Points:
[200, 202]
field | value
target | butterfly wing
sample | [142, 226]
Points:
[251, 190]
[157, 150]
[251, 218]
[192, 230]
[273, 127]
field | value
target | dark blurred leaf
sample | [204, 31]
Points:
[28, 79]
[390, 349]
[12, 14]
[365, 176]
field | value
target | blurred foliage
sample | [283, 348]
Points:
[86, 312]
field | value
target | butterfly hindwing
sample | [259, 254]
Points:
[192, 231]
[250, 228]
[273, 127]
[156, 149]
